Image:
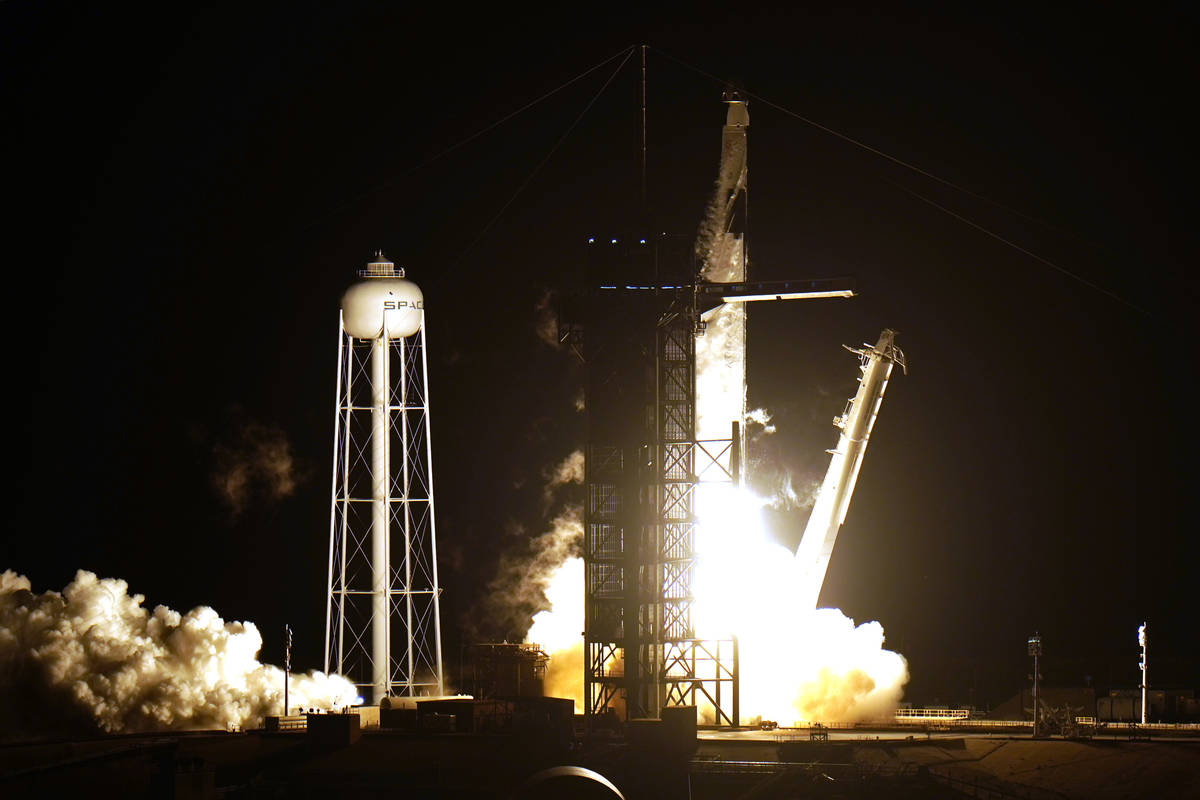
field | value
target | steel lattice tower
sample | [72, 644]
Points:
[647, 307]
[383, 622]
[636, 332]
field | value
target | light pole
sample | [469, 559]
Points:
[287, 666]
[1035, 650]
[1144, 664]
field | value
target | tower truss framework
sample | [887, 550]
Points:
[383, 620]
[642, 468]
[650, 448]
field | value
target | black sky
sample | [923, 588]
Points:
[193, 189]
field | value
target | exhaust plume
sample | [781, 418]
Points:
[559, 630]
[539, 592]
[93, 656]
[519, 590]
[797, 664]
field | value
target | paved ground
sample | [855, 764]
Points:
[1044, 769]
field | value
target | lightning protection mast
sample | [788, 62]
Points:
[383, 623]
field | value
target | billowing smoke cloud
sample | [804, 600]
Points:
[715, 246]
[92, 656]
[787, 487]
[768, 475]
[537, 594]
[256, 465]
[569, 470]
[837, 671]
[546, 320]
[797, 663]
[762, 418]
[518, 591]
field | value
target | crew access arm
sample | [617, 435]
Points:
[833, 500]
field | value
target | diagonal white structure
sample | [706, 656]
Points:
[383, 621]
[855, 423]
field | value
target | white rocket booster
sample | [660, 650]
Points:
[856, 422]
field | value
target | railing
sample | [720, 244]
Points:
[966, 723]
[292, 722]
[932, 713]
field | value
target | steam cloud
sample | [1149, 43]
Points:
[258, 462]
[92, 656]
[518, 591]
[537, 593]
[546, 324]
[762, 418]
[569, 470]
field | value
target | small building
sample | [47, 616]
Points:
[505, 670]
[1166, 705]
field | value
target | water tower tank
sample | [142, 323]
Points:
[382, 300]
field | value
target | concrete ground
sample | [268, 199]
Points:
[974, 764]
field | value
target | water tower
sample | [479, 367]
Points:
[383, 624]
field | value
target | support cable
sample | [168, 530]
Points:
[463, 142]
[625, 52]
[533, 173]
[931, 176]
[863, 145]
[1017, 247]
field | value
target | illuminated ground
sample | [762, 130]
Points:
[749, 763]
[1008, 766]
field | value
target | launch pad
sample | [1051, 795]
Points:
[339, 759]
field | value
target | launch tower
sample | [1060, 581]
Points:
[655, 435]
[383, 623]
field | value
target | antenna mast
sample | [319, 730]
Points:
[645, 209]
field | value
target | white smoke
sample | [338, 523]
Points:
[549, 579]
[721, 351]
[721, 372]
[789, 496]
[520, 588]
[546, 320]
[256, 463]
[96, 650]
[569, 470]
[797, 664]
[762, 418]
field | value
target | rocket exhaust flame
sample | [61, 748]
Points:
[98, 657]
[797, 664]
[560, 631]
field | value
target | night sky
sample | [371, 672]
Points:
[193, 190]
